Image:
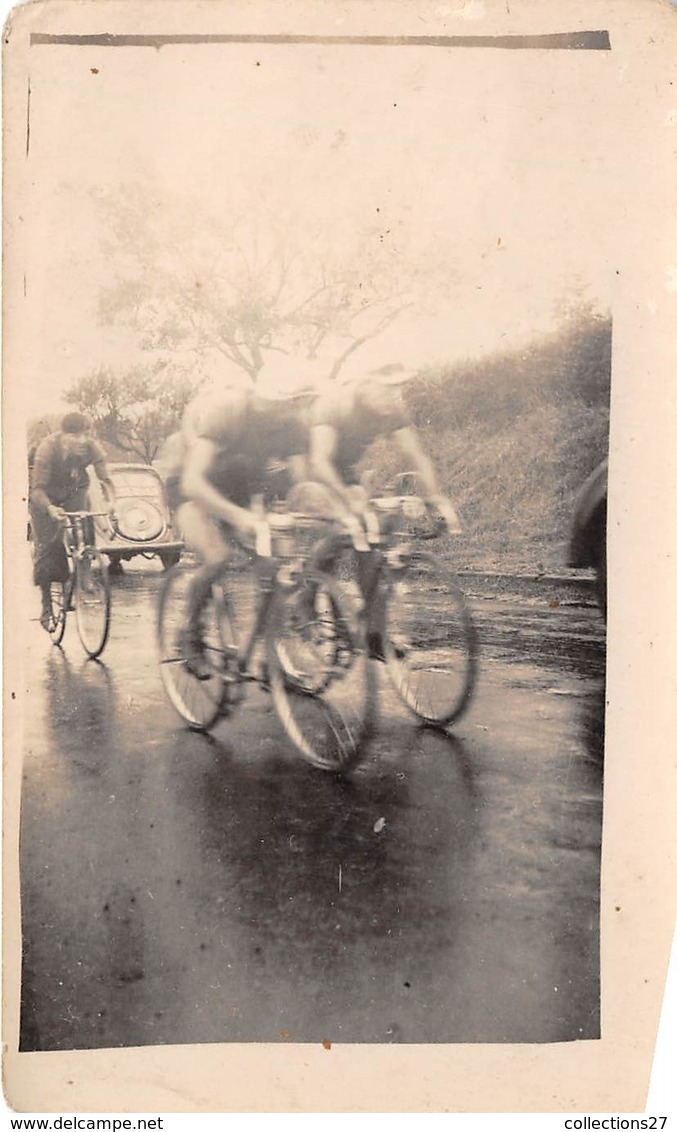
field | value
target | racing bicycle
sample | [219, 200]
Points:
[416, 619]
[262, 625]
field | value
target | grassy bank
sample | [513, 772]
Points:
[513, 438]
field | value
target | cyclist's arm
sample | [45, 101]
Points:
[410, 446]
[323, 448]
[42, 479]
[196, 486]
[297, 466]
[103, 476]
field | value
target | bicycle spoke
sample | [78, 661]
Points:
[199, 698]
[92, 602]
[200, 702]
[431, 646]
[332, 734]
[321, 679]
[307, 643]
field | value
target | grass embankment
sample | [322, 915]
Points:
[513, 437]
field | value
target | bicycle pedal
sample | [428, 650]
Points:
[197, 673]
[234, 693]
[375, 647]
[259, 675]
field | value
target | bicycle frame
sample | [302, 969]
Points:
[265, 592]
[437, 691]
[327, 719]
[79, 534]
[267, 570]
[370, 564]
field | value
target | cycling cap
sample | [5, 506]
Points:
[287, 379]
[388, 375]
[75, 423]
[233, 378]
[392, 374]
[220, 374]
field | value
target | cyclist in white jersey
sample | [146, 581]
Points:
[347, 419]
[344, 423]
[230, 439]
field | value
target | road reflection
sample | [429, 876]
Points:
[341, 887]
[80, 710]
[592, 721]
[179, 888]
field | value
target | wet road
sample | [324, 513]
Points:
[181, 889]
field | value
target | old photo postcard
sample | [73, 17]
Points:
[339, 542]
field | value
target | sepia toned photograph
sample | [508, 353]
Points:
[313, 358]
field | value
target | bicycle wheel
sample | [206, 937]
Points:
[91, 598]
[200, 703]
[430, 646]
[321, 681]
[57, 622]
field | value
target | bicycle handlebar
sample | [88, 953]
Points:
[362, 536]
[435, 526]
[370, 534]
[438, 529]
[263, 540]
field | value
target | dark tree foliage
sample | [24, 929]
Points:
[135, 411]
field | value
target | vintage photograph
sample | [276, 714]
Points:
[317, 359]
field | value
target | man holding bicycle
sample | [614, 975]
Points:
[60, 483]
[232, 438]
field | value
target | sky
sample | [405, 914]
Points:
[497, 164]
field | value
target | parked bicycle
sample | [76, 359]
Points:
[86, 590]
[260, 626]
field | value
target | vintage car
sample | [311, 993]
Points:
[587, 544]
[143, 523]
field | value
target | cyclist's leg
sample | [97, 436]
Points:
[49, 558]
[204, 535]
[373, 595]
[368, 581]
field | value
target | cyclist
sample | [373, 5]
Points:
[59, 483]
[233, 438]
[345, 422]
[348, 419]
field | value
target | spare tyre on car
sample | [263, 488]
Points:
[143, 520]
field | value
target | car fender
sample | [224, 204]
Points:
[589, 514]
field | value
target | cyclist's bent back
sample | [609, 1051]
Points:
[230, 439]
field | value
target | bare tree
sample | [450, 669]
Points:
[192, 288]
